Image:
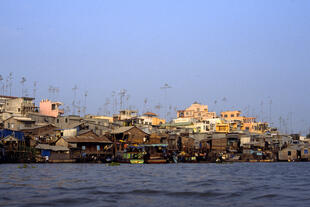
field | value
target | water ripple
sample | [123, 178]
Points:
[238, 184]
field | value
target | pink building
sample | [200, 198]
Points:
[49, 108]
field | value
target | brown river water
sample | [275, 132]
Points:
[237, 184]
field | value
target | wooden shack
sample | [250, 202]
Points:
[290, 153]
[130, 135]
[158, 139]
[49, 153]
[188, 145]
[294, 152]
[89, 146]
[219, 142]
[43, 133]
[173, 142]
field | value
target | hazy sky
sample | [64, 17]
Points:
[238, 54]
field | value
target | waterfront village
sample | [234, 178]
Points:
[30, 133]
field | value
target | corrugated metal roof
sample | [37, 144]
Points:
[23, 118]
[122, 130]
[177, 124]
[50, 147]
[84, 131]
[89, 139]
[38, 127]
[74, 125]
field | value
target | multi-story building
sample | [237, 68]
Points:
[231, 115]
[150, 118]
[50, 108]
[238, 122]
[196, 111]
[19, 106]
[3, 101]
[125, 114]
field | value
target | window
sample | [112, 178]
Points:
[305, 151]
[289, 153]
[28, 124]
[98, 147]
[9, 125]
[53, 106]
[18, 109]
[225, 115]
[83, 147]
[66, 120]
[57, 120]
[232, 115]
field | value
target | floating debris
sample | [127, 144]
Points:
[114, 164]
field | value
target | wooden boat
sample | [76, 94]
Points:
[155, 153]
[156, 161]
[136, 161]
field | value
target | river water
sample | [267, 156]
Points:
[237, 184]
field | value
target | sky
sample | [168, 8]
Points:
[252, 56]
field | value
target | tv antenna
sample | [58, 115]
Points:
[165, 87]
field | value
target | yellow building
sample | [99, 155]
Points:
[150, 118]
[242, 122]
[157, 121]
[245, 123]
[231, 115]
[223, 127]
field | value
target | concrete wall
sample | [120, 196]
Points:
[69, 132]
[283, 154]
[49, 108]
[245, 140]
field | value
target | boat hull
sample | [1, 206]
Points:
[161, 161]
[136, 161]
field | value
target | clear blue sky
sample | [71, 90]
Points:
[249, 52]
